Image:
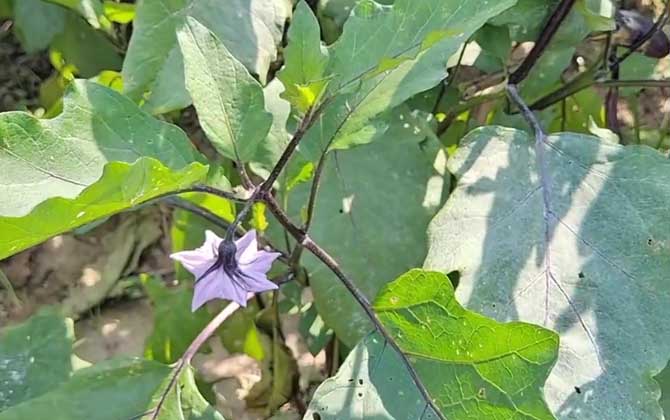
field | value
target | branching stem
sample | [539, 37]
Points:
[550, 28]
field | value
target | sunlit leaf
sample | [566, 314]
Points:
[395, 39]
[580, 247]
[230, 103]
[100, 156]
[472, 367]
[250, 30]
[119, 12]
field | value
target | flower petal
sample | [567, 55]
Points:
[192, 259]
[212, 240]
[247, 247]
[206, 289]
[258, 282]
[262, 262]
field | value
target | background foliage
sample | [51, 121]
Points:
[129, 128]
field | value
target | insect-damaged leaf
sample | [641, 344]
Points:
[581, 247]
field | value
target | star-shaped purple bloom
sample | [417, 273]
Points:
[250, 276]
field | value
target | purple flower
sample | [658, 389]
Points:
[233, 279]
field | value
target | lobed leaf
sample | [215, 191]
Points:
[102, 155]
[573, 236]
[471, 366]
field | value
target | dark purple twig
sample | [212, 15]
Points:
[542, 41]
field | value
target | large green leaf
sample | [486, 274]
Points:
[58, 159]
[34, 357]
[36, 381]
[471, 366]
[230, 104]
[374, 65]
[111, 390]
[575, 239]
[37, 22]
[154, 65]
[373, 207]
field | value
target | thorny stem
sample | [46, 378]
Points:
[542, 42]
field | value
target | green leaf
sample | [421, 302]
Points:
[271, 148]
[175, 326]
[63, 158]
[471, 366]
[373, 207]
[122, 13]
[154, 64]
[91, 10]
[580, 247]
[36, 23]
[305, 60]
[34, 357]
[36, 380]
[85, 48]
[230, 103]
[385, 56]
[111, 390]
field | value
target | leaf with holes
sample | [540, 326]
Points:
[372, 211]
[573, 236]
[470, 366]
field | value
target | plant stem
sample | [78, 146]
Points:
[200, 211]
[192, 349]
[365, 304]
[542, 42]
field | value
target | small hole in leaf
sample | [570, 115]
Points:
[316, 416]
[455, 278]
[341, 211]
[351, 380]
[481, 394]
[360, 382]
[360, 395]
[650, 242]
[581, 275]
[577, 390]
